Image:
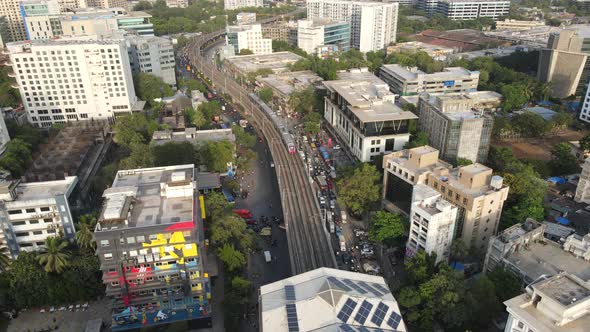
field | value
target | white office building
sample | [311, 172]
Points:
[152, 55]
[31, 212]
[583, 188]
[177, 3]
[91, 21]
[472, 9]
[406, 81]
[65, 5]
[585, 112]
[41, 18]
[373, 25]
[432, 223]
[248, 37]
[107, 3]
[362, 112]
[75, 78]
[235, 4]
[558, 304]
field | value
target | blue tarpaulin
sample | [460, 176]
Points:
[458, 266]
[556, 179]
[562, 221]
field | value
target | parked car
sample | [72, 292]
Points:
[359, 232]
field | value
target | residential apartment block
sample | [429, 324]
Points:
[311, 35]
[373, 25]
[71, 79]
[32, 212]
[459, 125]
[236, 4]
[107, 3]
[411, 81]
[248, 37]
[517, 25]
[4, 135]
[65, 5]
[41, 19]
[241, 66]
[477, 193]
[177, 3]
[472, 9]
[432, 224]
[152, 55]
[558, 304]
[13, 25]
[583, 188]
[281, 30]
[362, 112]
[150, 243]
[329, 300]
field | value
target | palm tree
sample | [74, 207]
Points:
[55, 258]
[84, 236]
[4, 262]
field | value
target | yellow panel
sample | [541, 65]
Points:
[202, 203]
[177, 237]
[192, 252]
[159, 241]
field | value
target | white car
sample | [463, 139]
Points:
[272, 165]
[337, 147]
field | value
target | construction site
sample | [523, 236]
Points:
[77, 149]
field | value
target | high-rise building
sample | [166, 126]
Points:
[74, 78]
[314, 34]
[248, 37]
[373, 25]
[558, 304]
[32, 212]
[235, 4]
[564, 63]
[107, 3]
[583, 188]
[459, 125]
[93, 21]
[152, 55]
[432, 224]
[411, 80]
[477, 193]
[246, 18]
[4, 135]
[65, 5]
[150, 242]
[329, 300]
[41, 19]
[14, 27]
[472, 9]
[362, 112]
[281, 30]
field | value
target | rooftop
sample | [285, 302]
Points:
[288, 82]
[276, 61]
[414, 74]
[193, 135]
[369, 98]
[546, 113]
[475, 1]
[329, 300]
[548, 258]
[149, 196]
[46, 189]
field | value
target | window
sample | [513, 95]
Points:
[30, 210]
[140, 238]
[45, 209]
[131, 240]
[104, 243]
[18, 223]
[15, 211]
[37, 233]
[115, 283]
[108, 257]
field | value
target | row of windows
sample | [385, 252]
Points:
[29, 210]
[30, 222]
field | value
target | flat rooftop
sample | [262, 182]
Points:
[153, 196]
[193, 135]
[288, 82]
[276, 61]
[46, 189]
[414, 74]
[550, 259]
[478, 97]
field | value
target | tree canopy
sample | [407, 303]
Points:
[149, 87]
[562, 160]
[265, 95]
[360, 190]
[387, 228]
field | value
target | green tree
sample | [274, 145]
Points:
[463, 162]
[300, 65]
[131, 129]
[142, 5]
[149, 87]
[195, 117]
[459, 250]
[525, 198]
[210, 110]
[585, 143]
[561, 120]
[361, 190]
[514, 95]
[55, 257]
[420, 267]
[4, 262]
[232, 229]
[243, 138]
[245, 51]
[311, 123]
[216, 206]
[302, 101]
[420, 139]
[140, 157]
[84, 236]
[507, 284]
[265, 95]
[16, 157]
[562, 160]
[482, 302]
[218, 154]
[530, 124]
[264, 72]
[387, 229]
[173, 153]
[231, 258]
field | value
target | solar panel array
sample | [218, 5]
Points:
[346, 310]
[381, 288]
[394, 320]
[292, 321]
[339, 284]
[379, 314]
[290, 293]
[363, 313]
[346, 328]
[370, 288]
[354, 286]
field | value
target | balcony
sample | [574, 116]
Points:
[11, 73]
[14, 85]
